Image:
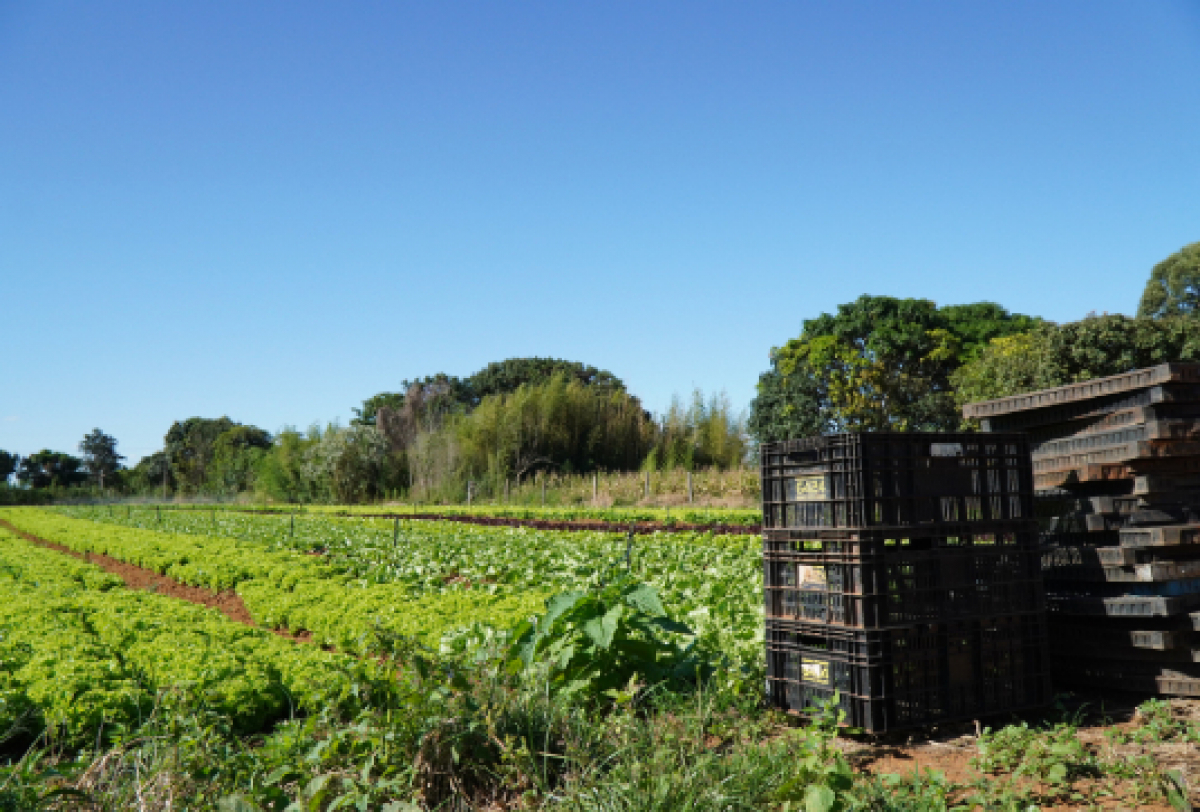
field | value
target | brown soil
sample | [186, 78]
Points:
[950, 752]
[227, 603]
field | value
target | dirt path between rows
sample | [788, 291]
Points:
[228, 603]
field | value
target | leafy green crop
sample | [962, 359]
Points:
[713, 582]
[77, 653]
[285, 589]
[608, 642]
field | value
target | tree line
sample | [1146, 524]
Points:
[877, 364]
[433, 439]
[887, 364]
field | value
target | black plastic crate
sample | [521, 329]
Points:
[896, 479]
[891, 541]
[916, 587]
[911, 676]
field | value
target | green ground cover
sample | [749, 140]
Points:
[78, 652]
[286, 589]
[713, 582]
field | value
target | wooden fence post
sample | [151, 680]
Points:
[689, 473]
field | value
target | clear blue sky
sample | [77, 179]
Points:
[275, 210]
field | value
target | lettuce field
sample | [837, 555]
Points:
[243, 660]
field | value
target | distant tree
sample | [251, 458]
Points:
[189, 448]
[348, 464]
[151, 474]
[100, 455]
[279, 476]
[705, 432]
[47, 469]
[504, 377]
[191, 445]
[879, 363]
[1095, 347]
[365, 416]
[426, 405]
[786, 406]
[8, 464]
[562, 424]
[237, 453]
[1174, 285]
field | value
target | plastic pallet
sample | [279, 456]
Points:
[1069, 417]
[1154, 572]
[1122, 607]
[1103, 637]
[1087, 390]
[1169, 536]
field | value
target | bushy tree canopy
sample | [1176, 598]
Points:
[191, 446]
[1174, 285]
[561, 423]
[503, 377]
[8, 464]
[1057, 354]
[100, 455]
[879, 363]
[47, 469]
[444, 394]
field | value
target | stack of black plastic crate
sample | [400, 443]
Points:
[901, 574]
[1117, 470]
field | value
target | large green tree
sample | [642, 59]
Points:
[443, 394]
[191, 447]
[1174, 285]
[47, 469]
[237, 453]
[8, 464]
[504, 377]
[100, 455]
[1057, 354]
[879, 363]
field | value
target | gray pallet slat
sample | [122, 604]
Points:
[1067, 417]
[1166, 536]
[1153, 572]
[1123, 606]
[1087, 390]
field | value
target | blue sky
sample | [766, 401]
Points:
[274, 210]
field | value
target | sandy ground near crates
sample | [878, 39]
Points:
[951, 750]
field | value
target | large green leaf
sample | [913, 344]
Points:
[601, 629]
[645, 598]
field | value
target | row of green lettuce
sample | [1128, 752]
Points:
[713, 582]
[284, 589]
[682, 515]
[79, 653]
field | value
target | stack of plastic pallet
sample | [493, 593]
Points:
[901, 573]
[1117, 467]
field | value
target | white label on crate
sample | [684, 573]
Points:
[811, 577]
[809, 488]
[945, 449]
[814, 671]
